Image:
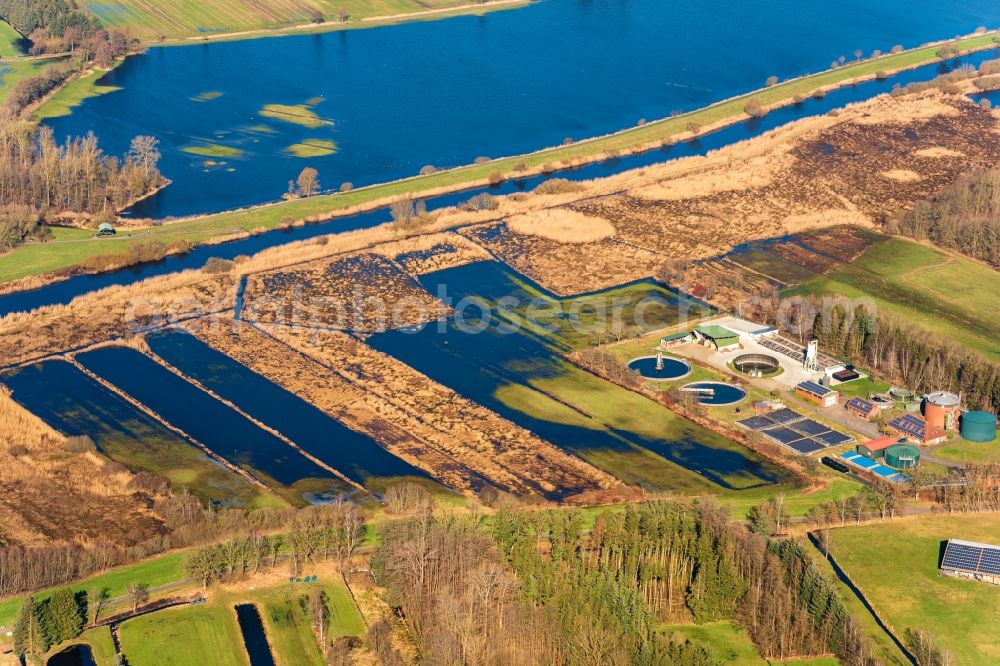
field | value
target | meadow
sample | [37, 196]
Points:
[185, 634]
[731, 644]
[945, 293]
[154, 572]
[896, 566]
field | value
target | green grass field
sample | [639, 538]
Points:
[153, 19]
[184, 636]
[969, 452]
[101, 645]
[882, 645]
[36, 259]
[10, 41]
[896, 566]
[154, 572]
[949, 295]
[731, 645]
[71, 95]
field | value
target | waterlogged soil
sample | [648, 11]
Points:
[220, 428]
[364, 292]
[518, 373]
[353, 454]
[461, 444]
[73, 403]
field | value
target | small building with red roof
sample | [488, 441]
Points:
[875, 448]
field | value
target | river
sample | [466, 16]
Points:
[397, 98]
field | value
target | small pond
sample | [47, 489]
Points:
[77, 655]
[714, 394]
[254, 637]
[670, 368]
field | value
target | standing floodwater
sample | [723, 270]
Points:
[368, 106]
[254, 637]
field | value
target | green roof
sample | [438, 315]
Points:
[675, 336]
[716, 332]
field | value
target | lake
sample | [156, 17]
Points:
[396, 98]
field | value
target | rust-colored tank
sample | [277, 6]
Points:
[941, 409]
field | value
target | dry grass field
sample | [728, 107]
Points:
[858, 167]
[568, 268]
[50, 494]
[112, 313]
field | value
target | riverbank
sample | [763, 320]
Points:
[42, 259]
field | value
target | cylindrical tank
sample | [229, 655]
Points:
[979, 426]
[902, 456]
[940, 408]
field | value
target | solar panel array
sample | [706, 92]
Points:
[791, 429]
[814, 388]
[911, 425]
[861, 406]
[973, 557]
[793, 350]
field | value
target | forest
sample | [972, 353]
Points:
[543, 589]
[964, 217]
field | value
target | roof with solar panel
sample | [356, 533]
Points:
[909, 424]
[860, 405]
[971, 557]
[814, 388]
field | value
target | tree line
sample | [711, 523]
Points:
[316, 533]
[964, 217]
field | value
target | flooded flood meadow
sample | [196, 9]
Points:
[64, 291]
[369, 106]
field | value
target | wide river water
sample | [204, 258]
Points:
[445, 92]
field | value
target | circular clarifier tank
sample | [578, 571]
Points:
[756, 365]
[670, 368]
[714, 394]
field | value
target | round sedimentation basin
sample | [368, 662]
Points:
[716, 394]
[672, 368]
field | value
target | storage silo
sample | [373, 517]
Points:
[979, 426]
[902, 456]
[941, 409]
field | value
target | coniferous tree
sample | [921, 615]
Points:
[30, 639]
[64, 619]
